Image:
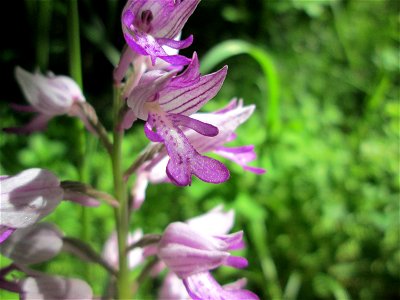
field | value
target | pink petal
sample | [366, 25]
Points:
[215, 222]
[5, 233]
[22, 108]
[186, 251]
[139, 190]
[127, 121]
[236, 262]
[240, 155]
[147, 90]
[189, 76]
[172, 288]
[255, 170]
[185, 261]
[184, 159]
[151, 135]
[127, 56]
[209, 169]
[38, 123]
[176, 44]
[49, 95]
[110, 250]
[80, 198]
[178, 60]
[202, 286]
[198, 126]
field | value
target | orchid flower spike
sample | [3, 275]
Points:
[49, 96]
[226, 120]
[148, 25]
[190, 250]
[166, 101]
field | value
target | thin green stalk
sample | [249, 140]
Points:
[121, 213]
[271, 107]
[75, 65]
[75, 70]
[42, 34]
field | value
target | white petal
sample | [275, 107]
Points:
[33, 244]
[55, 287]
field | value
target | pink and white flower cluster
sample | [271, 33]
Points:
[165, 90]
[168, 100]
[190, 250]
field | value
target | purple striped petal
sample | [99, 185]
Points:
[190, 99]
[175, 20]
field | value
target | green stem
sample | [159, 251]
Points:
[75, 65]
[75, 70]
[121, 213]
[42, 34]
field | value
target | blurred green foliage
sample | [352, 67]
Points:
[323, 222]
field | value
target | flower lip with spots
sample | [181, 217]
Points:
[166, 100]
[227, 121]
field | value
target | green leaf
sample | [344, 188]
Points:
[231, 48]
